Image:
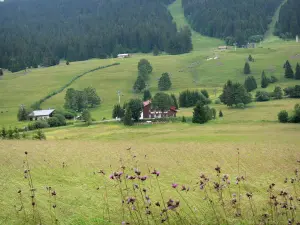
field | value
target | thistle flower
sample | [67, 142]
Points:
[155, 172]
[143, 178]
[137, 172]
[174, 185]
[111, 177]
[130, 200]
[157, 204]
[53, 193]
[249, 195]
[218, 169]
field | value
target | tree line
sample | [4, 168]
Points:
[288, 25]
[234, 21]
[43, 32]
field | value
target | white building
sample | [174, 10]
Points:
[122, 56]
[41, 114]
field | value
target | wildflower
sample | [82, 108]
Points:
[144, 190]
[53, 193]
[249, 195]
[157, 204]
[174, 185]
[285, 180]
[135, 186]
[111, 177]
[155, 172]
[137, 172]
[130, 200]
[148, 212]
[218, 169]
[183, 188]
[125, 223]
[143, 178]
[130, 177]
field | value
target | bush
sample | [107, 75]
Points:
[218, 101]
[53, 122]
[39, 135]
[39, 124]
[277, 93]
[205, 93]
[240, 106]
[283, 116]
[262, 96]
[183, 119]
[273, 79]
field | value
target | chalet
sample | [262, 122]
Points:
[41, 114]
[148, 112]
[122, 56]
[223, 47]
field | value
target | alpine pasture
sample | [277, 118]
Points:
[248, 143]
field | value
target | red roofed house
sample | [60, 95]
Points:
[148, 112]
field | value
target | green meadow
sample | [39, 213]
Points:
[248, 142]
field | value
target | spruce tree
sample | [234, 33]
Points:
[264, 80]
[297, 73]
[289, 73]
[147, 95]
[128, 117]
[247, 68]
[250, 83]
[164, 82]
[175, 103]
[277, 93]
[200, 115]
[22, 113]
[118, 111]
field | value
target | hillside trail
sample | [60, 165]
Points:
[200, 42]
[269, 35]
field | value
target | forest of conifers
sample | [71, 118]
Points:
[41, 32]
[232, 20]
[288, 25]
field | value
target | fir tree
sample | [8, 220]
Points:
[247, 68]
[205, 93]
[200, 114]
[147, 95]
[175, 103]
[277, 93]
[250, 83]
[128, 117]
[118, 111]
[264, 80]
[22, 113]
[297, 73]
[234, 94]
[164, 82]
[139, 84]
[289, 73]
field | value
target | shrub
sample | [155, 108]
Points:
[262, 96]
[183, 119]
[39, 124]
[277, 93]
[240, 106]
[273, 79]
[39, 135]
[217, 101]
[53, 122]
[205, 93]
[295, 118]
[220, 113]
[283, 116]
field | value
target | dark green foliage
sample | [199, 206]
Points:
[10, 134]
[234, 94]
[201, 114]
[39, 124]
[283, 116]
[293, 92]
[162, 101]
[118, 111]
[136, 108]
[297, 73]
[164, 82]
[264, 80]
[67, 62]
[273, 79]
[235, 21]
[288, 25]
[221, 114]
[155, 51]
[79, 100]
[214, 113]
[139, 84]
[53, 122]
[1, 72]
[144, 68]
[205, 93]
[147, 95]
[240, 106]
[247, 69]
[295, 117]
[183, 120]
[60, 117]
[289, 73]
[180, 43]
[174, 101]
[250, 58]
[190, 98]
[3, 133]
[90, 29]
[39, 135]
[128, 117]
[86, 117]
[262, 96]
[277, 93]
[22, 113]
[16, 133]
[250, 83]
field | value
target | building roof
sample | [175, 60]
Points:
[42, 112]
[173, 108]
[147, 103]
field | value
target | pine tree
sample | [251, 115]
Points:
[247, 68]
[297, 73]
[22, 113]
[118, 112]
[147, 95]
[288, 70]
[164, 82]
[128, 117]
[220, 113]
[139, 84]
[277, 93]
[175, 103]
[264, 80]
[250, 83]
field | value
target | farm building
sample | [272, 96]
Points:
[122, 56]
[148, 112]
[223, 47]
[41, 114]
